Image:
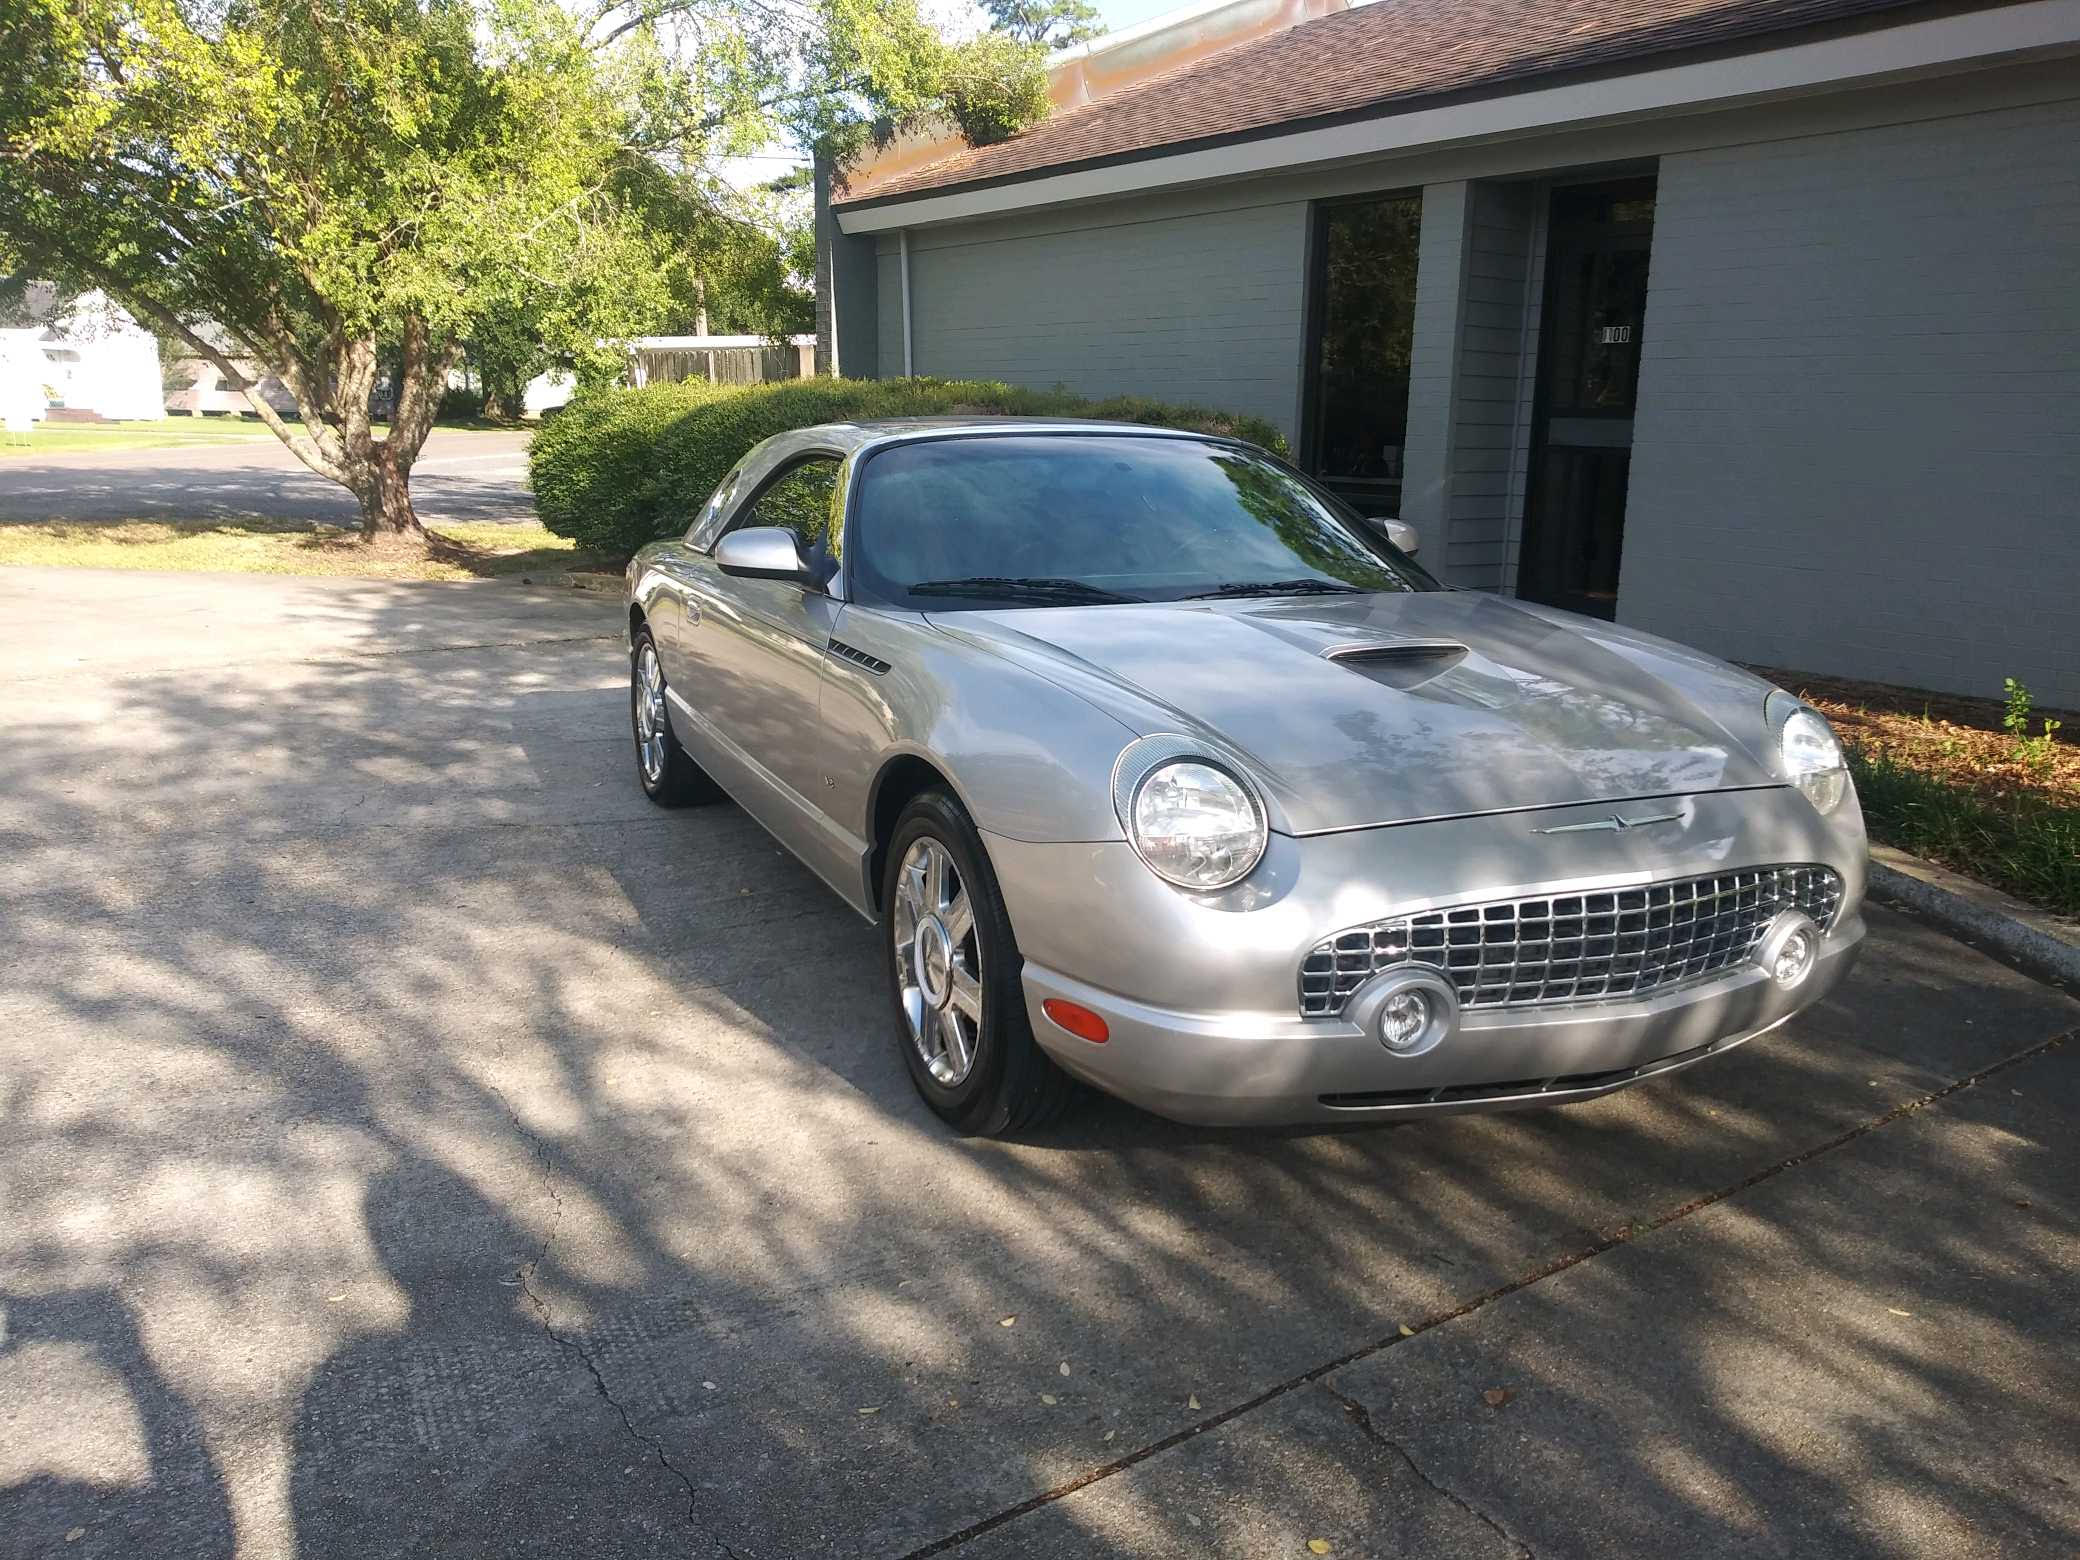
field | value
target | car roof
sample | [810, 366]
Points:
[849, 436]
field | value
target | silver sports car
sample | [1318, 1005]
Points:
[1161, 769]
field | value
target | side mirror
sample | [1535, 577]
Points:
[1399, 532]
[762, 552]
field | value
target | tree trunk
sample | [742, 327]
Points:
[381, 480]
[386, 501]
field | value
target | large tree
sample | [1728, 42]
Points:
[331, 188]
[1055, 24]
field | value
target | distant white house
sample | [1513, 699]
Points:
[23, 372]
[89, 358]
[547, 392]
[199, 389]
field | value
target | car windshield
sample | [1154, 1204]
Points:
[1089, 519]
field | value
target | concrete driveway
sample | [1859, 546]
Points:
[413, 1143]
[460, 475]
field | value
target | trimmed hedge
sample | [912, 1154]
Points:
[618, 468]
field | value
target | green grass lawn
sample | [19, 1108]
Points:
[2026, 841]
[260, 546]
[48, 438]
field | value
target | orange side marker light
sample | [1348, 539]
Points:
[1079, 1020]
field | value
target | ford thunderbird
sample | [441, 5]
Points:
[1159, 768]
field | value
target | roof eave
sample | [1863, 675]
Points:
[1927, 40]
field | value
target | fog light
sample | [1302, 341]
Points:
[1794, 959]
[1404, 1020]
[1789, 949]
[1412, 1010]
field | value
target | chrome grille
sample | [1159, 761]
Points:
[1596, 946]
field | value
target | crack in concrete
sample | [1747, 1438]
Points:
[570, 1345]
[1488, 1297]
[1363, 1420]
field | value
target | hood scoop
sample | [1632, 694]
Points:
[1403, 664]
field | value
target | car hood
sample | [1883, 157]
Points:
[1364, 710]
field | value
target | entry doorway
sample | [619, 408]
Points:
[1598, 239]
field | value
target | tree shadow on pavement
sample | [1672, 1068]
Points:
[95, 1418]
[464, 1157]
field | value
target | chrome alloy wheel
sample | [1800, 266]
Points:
[938, 954]
[651, 731]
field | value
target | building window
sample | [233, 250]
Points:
[1364, 320]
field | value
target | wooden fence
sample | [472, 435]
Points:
[722, 361]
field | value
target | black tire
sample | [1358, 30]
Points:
[1011, 1085]
[676, 781]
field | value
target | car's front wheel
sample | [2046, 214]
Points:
[960, 1013]
[666, 771]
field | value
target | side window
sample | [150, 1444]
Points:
[800, 501]
[707, 524]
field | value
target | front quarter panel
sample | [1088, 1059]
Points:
[656, 587]
[1028, 760]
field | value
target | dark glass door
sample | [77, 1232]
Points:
[1581, 450]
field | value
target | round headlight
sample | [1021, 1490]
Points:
[1813, 758]
[1195, 824]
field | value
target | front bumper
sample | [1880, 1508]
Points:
[1201, 992]
[1256, 1068]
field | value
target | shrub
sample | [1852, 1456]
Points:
[623, 467]
[459, 405]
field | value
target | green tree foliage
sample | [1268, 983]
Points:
[29, 300]
[1053, 24]
[332, 190]
[998, 88]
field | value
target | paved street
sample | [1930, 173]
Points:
[411, 1142]
[460, 475]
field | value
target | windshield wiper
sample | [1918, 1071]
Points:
[1020, 588]
[1301, 587]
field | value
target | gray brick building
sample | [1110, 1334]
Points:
[1755, 323]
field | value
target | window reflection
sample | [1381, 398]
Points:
[1366, 314]
[1145, 518]
[800, 502]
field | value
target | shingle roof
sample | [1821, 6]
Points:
[1375, 59]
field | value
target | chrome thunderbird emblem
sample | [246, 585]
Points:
[1614, 824]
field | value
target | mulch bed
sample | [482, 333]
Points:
[1939, 776]
[1944, 735]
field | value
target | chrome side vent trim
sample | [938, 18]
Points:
[858, 657]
